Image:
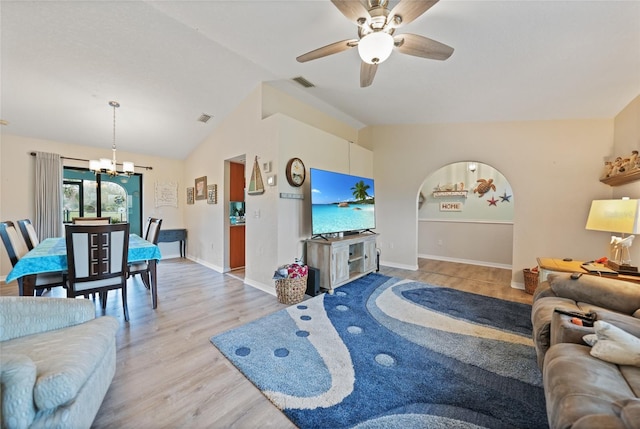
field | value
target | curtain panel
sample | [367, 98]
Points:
[48, 183]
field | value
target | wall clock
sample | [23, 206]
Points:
[295, 172]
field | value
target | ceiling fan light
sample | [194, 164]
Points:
[374, 48]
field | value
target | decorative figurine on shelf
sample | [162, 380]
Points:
[485, 185]
[633, 161]
[621, 165]
[608, 168]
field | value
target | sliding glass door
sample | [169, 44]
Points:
[119, 197]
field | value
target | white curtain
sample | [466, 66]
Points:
[48, 221]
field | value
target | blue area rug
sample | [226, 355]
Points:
[390, 353]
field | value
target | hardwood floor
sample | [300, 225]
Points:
[170, 376]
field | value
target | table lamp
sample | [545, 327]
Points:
[621, 216]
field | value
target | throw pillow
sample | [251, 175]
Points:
[614, 345]
[590, 339]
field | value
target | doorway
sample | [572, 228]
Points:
[236, 212]
[465, 214]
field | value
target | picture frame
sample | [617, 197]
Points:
[212, 194]
[190, 194]
[201, 188]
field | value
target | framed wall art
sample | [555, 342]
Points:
[201, 188]
[190, 193]
[212, 194]
[166, 194]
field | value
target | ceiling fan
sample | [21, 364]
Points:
[376, 27]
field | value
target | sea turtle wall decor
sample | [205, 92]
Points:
[485, 185]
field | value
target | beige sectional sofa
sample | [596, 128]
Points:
[581, 390]
[57, 361]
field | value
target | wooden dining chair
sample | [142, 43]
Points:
[28, 233]
[103, 220]
[152, 234]
[97, 261]
[16, 248]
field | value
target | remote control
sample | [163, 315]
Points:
[589, 317]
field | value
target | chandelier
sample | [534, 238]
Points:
[109, 166]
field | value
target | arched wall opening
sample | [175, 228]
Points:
[465, 214]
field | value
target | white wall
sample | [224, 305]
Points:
[626, 139]
[460, 235]
[17, 172]
[552, 166]
[275, 227]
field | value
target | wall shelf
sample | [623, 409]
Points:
[444, 194]
[622, 178]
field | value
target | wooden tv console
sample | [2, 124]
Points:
[341, 260]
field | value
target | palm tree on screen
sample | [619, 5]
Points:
[360, 191]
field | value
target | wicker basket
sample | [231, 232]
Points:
[291, 291]
[530, 280]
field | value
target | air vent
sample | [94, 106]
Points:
[304, 82]
[204, 118]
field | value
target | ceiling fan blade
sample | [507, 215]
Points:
[353, 10]
[367, 73]
[420, 46]
[408, 10]
[333, 48]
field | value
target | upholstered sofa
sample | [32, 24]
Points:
[584, 389]
[57, 361]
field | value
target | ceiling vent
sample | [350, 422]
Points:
[304, 82]
[204, 118]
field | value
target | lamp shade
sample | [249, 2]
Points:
[376, 47]
[128, 167]
[615, 216]
[94, 165]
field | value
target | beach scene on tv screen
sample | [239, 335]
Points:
[341, 202]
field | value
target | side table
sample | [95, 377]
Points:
[551, 265]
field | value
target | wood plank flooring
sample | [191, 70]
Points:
[170, 376]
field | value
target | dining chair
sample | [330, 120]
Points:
[97, 261]
[104, 220]
[152, 234]
[16, 248]
[29, 233]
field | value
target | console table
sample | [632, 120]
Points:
[171, 235]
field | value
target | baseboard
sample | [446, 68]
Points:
[399, 266]
[517, 285]
[270, 289]
[207, 264]
[467, 261]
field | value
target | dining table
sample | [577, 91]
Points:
[50, 256]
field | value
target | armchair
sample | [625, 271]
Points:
[56, 362]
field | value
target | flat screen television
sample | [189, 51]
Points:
[341, 202]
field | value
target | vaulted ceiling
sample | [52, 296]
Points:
[168, 62]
